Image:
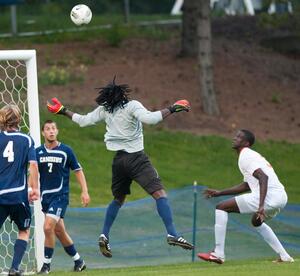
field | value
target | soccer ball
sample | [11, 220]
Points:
[81, 14]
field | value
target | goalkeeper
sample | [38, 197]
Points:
[124, 118]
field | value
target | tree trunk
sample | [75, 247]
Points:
[189, 43]
[205, 63]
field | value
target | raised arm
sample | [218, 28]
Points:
[91, 118]
[238, 189]
[148, 117]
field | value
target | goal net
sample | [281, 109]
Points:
[18, 85]
[138, 236]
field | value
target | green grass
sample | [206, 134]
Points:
[180, 158]
[240, 268]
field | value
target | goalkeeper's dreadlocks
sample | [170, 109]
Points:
[113, 96]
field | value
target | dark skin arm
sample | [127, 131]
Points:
[263, 188]
[69, 114]
[238, 189]
[165, 113]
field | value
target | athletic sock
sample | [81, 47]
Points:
[72, 252]
[269, 236]
[165, 213]
[19, 250]
[111, 213]
[48, 253]
[220, 232]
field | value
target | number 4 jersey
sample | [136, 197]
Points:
[54, 168]
[16, 150]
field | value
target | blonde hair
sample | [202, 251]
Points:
[10, 117]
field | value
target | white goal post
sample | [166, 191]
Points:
[12, 83]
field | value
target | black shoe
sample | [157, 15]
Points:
[45, 269]
[179, 241]
[79, 266]
[14, 272]
[104, 246]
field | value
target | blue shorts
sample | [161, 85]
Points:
[20, 214]
[56, 208]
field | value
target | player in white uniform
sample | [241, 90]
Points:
[124, 135]
[266, 198]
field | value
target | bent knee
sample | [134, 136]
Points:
[24, 234]
[59, 232]
[120, 199]
[159, 193]
[228, 206]
[220, 206]
[48, 229]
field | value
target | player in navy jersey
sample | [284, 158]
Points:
[55, 160]
[123, 118]
[16, 152]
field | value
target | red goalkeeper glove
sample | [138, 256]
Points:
[57, 107]
[181, 105]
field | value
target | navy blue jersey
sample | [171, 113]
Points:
[16, 150]
[54, 168]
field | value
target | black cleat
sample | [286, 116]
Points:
[14, 272]
[45, 269]
[104, 246]
[79, 266]
[179, 241]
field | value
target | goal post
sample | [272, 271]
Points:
[12, 82]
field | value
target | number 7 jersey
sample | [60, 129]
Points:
[54, 168]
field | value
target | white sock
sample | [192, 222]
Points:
[76, 257]
[220, 232]
[269, 236]
[47, 260]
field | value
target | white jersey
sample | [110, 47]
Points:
[124, 130]
[249, 161]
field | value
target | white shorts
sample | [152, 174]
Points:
[274, 202]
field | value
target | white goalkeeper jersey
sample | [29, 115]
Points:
[249, 161]
[124, 130]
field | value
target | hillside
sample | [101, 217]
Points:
[257, 88]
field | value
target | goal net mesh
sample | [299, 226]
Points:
[13, 90]
[138, 235]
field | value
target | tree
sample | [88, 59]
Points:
[205, 62]
[189, 44]
[196, 41]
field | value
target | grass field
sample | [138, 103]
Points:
[180, 158]
[240, 268]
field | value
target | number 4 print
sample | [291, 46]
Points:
[9, 151]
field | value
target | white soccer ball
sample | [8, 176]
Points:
[81, 14]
